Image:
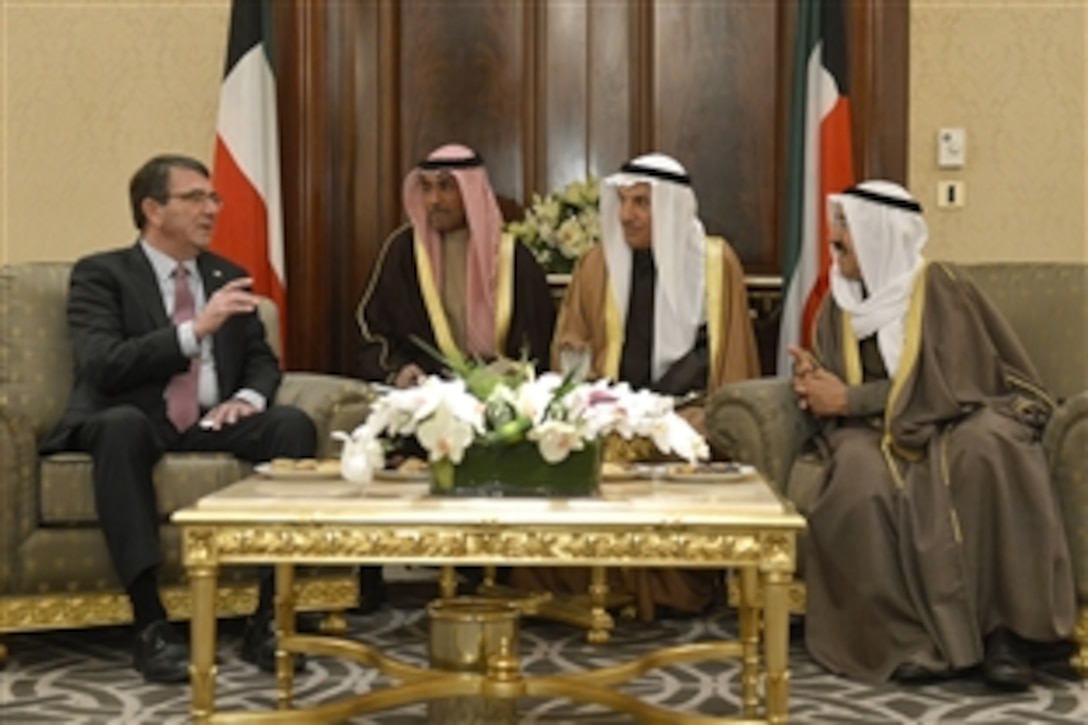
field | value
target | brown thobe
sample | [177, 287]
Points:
[727, 352]
[936, 523]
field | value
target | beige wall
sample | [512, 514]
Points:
[91, 89]
[1013, 74]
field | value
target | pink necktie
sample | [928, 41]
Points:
[181, 394]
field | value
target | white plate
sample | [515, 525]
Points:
[711, 473]
[395, 474]
[625, 471]
[292, 474]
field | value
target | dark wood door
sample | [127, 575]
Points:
[547, 91]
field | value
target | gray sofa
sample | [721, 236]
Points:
[55, 571]
[758, 421]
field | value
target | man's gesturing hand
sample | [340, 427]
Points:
[409, 376]
[233, 298]
[227, 413]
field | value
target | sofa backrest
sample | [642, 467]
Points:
[35, 355]
[1046, 303]
[36, 365]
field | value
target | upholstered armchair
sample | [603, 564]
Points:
[55, 571]
[758, 421]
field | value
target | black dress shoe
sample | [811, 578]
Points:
[161, 655]
[258, 645]
[912, 673]
[1006, 665]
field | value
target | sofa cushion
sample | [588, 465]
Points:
[67, 496]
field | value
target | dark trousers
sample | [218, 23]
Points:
[126, 443]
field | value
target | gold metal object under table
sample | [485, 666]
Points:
[637, 523]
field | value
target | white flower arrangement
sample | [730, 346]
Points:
[562, 226]
[487, 407]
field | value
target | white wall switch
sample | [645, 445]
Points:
[951, 148]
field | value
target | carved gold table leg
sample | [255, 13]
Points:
[202, 670]
[1079, 659]
[776, 643]
[333, 623]
[601, 621]
[490, 575]
[748, 611]
[285, 627]
[447, 582]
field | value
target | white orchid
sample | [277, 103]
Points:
[445, 436]
[532, 399]
[556, 440]
[506, 404]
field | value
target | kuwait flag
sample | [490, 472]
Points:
[246, 170]
[820, 163]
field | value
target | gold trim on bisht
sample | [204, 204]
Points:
[912, 345]
[613, 334]
[432, 300]
[360, 318]
[504, 293]
[851, 355]
[717, 301]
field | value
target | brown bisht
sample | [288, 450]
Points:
[936, 523]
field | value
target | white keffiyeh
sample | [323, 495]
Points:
[678, 243]
[888, 238]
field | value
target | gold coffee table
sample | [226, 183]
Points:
[636, 523]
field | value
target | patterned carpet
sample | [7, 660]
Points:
[86, 677]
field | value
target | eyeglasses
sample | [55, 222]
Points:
[198, 196]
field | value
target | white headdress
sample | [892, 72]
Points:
[888, 233]
[678, 242]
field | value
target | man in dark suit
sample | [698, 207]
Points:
[169, 356]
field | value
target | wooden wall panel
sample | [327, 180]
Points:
[715, 109]
[563, 92]
[583, 90]
[304, 108]
[878, 65]
[461, 79]
[609, 83]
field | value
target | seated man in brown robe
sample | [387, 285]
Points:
[658, 304]
[452, 279]
[662, 306]
[935, 543]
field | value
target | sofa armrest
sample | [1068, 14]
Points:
[334, 402]
[1066, 443]
[758, 422]
[18, 490]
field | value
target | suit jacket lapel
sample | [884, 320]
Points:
[212, 274]
[147, 286]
